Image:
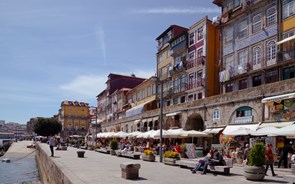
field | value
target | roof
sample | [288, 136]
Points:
[74, 103]
[169, 28]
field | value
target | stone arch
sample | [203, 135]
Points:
[168, 123]
[240, 115]
[156, 126]
[194, 122]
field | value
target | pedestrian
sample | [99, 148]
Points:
[284, 155]
[269, 159]
[51, 145]
[217, 159]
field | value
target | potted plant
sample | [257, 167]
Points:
[170, 157]
[148, 155]
[113, 146]
[254, 170]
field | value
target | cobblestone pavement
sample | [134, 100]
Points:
[104, 168]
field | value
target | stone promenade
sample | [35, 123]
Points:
[104, 168]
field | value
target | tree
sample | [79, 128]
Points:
[47, 126]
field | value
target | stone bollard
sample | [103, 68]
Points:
[130, 170]
[80, 154]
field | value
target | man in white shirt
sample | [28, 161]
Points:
[51, 145]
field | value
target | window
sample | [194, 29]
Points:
[289, 34]
[229, 87]
[154, 89]
[271, 76]
[243, 57]
[200, 52]
[182, 99]
[134, 97]
[228, 35]
[289, 73]
[175, 101]
[229, 62]
[256, 57]
[176, 85]
[200, 33]
[243, 84]
[288, 8]
[191, 56]
[257, 80]
[200, 95]
[149, 91]
[70, 108]
[256, 23]
[243, 29]
[271, 16]
[142, 94]
[216, 114]
[271, 50]
[192, 38]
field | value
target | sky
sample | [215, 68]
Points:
[57, 50]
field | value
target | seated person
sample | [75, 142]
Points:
[216, 160]
[202, 162]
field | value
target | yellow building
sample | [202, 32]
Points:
[142, 98]
[74, 116]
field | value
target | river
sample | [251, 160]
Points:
[22, 168]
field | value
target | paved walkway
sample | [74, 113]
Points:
[104, 168]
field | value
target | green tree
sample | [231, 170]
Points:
[47, 126]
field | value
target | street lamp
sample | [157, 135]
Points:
[95, 140]
[161, 122]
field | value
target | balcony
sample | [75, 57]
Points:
[190, 64]
[245, 119]
[286, 56]
[195, 83]
[201, 60]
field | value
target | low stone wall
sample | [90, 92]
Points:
[48, 170]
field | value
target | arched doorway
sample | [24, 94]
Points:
[194, 122]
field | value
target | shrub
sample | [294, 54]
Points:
[171, 154]
[148, 152]
[256, 155]
[114, 144]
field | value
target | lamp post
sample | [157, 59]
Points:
[95, 137]
[161, 123]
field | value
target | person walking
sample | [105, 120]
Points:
[269, 159]
[51, 145]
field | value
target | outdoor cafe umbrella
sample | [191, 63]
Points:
[285, 131]
[265, 131]
[173, 133]
[194, 133]
[241, 131]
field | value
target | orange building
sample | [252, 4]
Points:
[74, 116]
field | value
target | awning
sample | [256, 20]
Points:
[134, 110]
[136, 121]
[276, 124]
[213, 130]
[232, 128]
[137, 109]
[286, 39]
[156, 118]
[173, 114]
[279, 97]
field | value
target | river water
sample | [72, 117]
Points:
[19, 171]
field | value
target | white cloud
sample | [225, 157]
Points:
[100, 36]
[84, 87]
[200, 10]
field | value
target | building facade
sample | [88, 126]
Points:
[74, 117]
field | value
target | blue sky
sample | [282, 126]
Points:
[56, 50]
